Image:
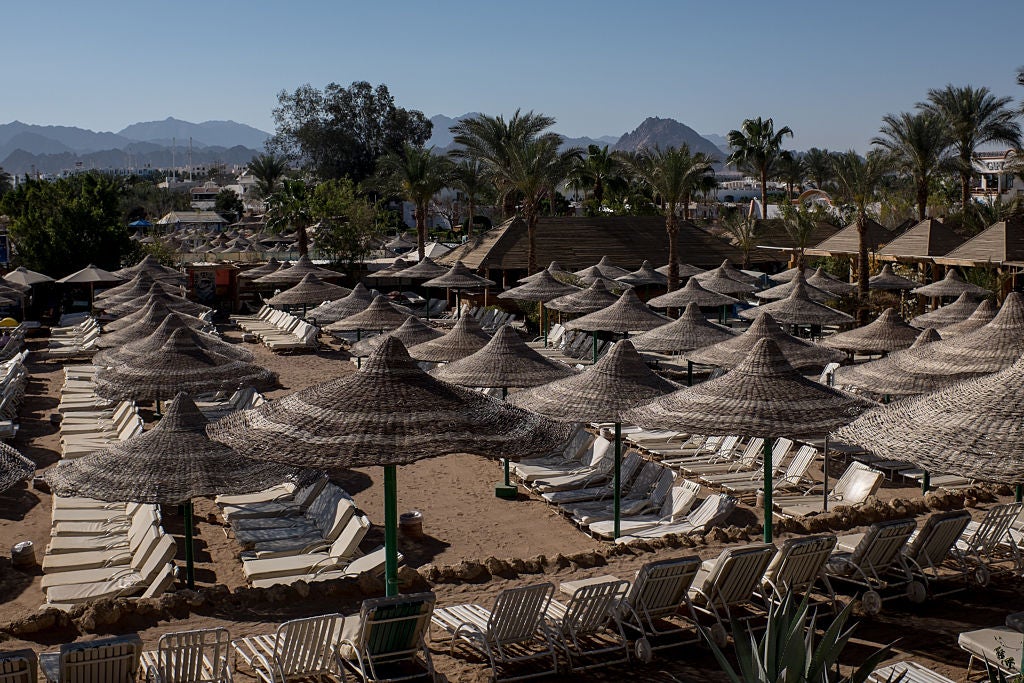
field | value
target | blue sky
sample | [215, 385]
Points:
[829, 70]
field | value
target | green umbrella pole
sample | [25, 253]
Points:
[926, 481]
[689, 373]
[768, 444]
[723, 314]
[824, 476]
[617, 505]
[391, 530]
[458, 304]
[543, 324]
[593, 336]
[428, 303]
[1018, 493]
[190, 570]
[506, 490]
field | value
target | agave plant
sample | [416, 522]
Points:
[789, 650]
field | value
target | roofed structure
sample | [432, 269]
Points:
[930, 237]
[1000, 243]
[847, 241]
[772, 234]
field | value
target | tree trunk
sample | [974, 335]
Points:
[469, 223]
[672, 228]
[531, 234]
[764, 194]
[303, 237]
[922, 200]
[862, 268]
[599, 191]
[421, 229]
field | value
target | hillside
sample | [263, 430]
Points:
[664, 133]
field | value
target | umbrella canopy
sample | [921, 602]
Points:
[400, 242]
[459, 277]
[729, 270]
[972, 429]
[891, 376]
[464, 339]
[182, 364]
[310, 290]
[644, 275]
[610, 285]
[799, 353]
[505, 361]
[161, 335]
[412, 332]
[23, 276]
[542, 287]
[152, 267]
[136, 287]
[787, 275]
[161, 310]
[555, 269]
[685, 270]
[690, 331]
[14, 467]
[393, 270]
[799, 309]
[426, 269]
[146, 321]
[4, 301]
[299, 270]
[593, 298]
[356, 301]
[156, 293]
[952, 286]
[886, 333]
[604, 268]
[888, 280]
[89, 274]
[956, 312]
[692, 293]
[982, 315]
[267, 268]
[627, 314]
[786, 288]
[381, 314]
[719, 280]
[826, 282]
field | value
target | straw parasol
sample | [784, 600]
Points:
[152, 267]
[645, 275]
[138, 286]
[626, 314]
[459, 277]
[412, 332]
[787, 275]
[156, 293]
[14, 467]
[685, 270]
[332, 311]
[763, 396]
[505, 361]
[380, 315]
[554, 269]
[950, 314]
[823, 280]
[782, 291]
[400, 242]
[692, 293]
[718, 280]
[464, 339]
[593, 298]
[541, 288]
[392, 270]
[799, 309]
[727, 269]
[310, 290]
[170, 464]
[690, 331]
[610, 285]
[28, 278]
[158, 305]
[259, 271]
[299, 270]
[885, 334]
[890, 376]
[388, 413]
[161, 335]
[426, 269]
[619, 381]
[604, 268]
[951, 286]
[146, 322]
[982, 315]
[799, 353]
[888, 280]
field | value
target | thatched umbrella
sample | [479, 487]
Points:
[310, 290]
[464, 339]
[727, 269]
[787, 275]
[90, 275]
[148, 320]
[358, 300]
[593, 298]
[951, 286]
[800, 353]
[950, 314]
[267, 268]
[388, 413]
[644, 276]
[459, 277]
[692, 293]
[885, 334]
[554, 269]
[685, 270]
[982, 315]
[541, 288]
[763, 396]
[400, 242]
[824, 281]
[782, 291]
[627, 314]
[14, 467]
[412, 332]
[888, 280]
[140, 285]
[619, 381]
[300, 269]
[160, 310]
[426, 269]
[690, 331]
[159, 336]
[171, 464]
[799, 309]
[152, 267]
[392, 270]
[719, 280]
[604, 268]
[380, 315]
[890, 376]
[610, 284]
[173, 302]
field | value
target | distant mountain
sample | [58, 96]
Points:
[138, 155]
[75, 139]
[718, 141]
[34, 141]
[207, 133]
[442, 139]
[665, 133]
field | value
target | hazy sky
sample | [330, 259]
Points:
[829, 70]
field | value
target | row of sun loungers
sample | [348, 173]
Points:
[217, 406]
[279, 330]
[13, 380]
[76, 340]
[570, 344]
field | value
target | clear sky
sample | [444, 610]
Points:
[830, 70]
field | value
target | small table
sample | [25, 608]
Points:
[570, 587]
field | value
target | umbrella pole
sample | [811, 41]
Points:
[593, 336]
[768, 444]
[543, 324]
[458, 304]
[506, 490]
[1018, 493]
[618, 480]
[391, 530]
[926, 481]
[689, 373]
[824, 475]
[190, 570]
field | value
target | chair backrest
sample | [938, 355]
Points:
[798, 563]
[601, 449]
[650, 474]
[660, 494]
[780, 449]
[861, 484]
[993, 526]
[306, 646]
[843, 482]
[194, 656]
[393, 628]
[715, 507]
[799, 465]
[881, 545]
[937, 537]
[660, 587]
[827, 375]
[161, 582]
[305, 496]
[518, 612]
[350, 537]
[737, 572]
[752, 451]
[331, 525]
[111, 660]
[728, 445]
[680, 500]
[324, 505]
[19, 666]
[632, 463]
[591, 606]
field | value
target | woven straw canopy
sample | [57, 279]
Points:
[799, 309]
[381, 314]
[23, 276]
[884, 334]
[358, 300]
[462, 340]
[617, 382]
[504, 362]
[267, 268]
[956, 312]
[594, 275]
[627, 314]
[952, 285]
[390, 412]
[718, 280]
[152, 267]
[147, 321]
[799, 353]
[973, 429]
[160, 336]
[555, 270]
[14, 467]
[763, 396]
[180, 365]
[593, 298]
[161, 310]
[310, 290]
[604, 268]
[892, 375]
[89, 274]
[413, 331]
[644, 275]
[692, 293]
[690, 331]
[826, 282]
[730, 271]
[299, 270]
[426, 269]
[172, 301]
[982, 315]
[786, 288]
[459, 277]
[787, 275]
[685, 270]
[170, 464]
[400, 242]
[889, 280]
[139, 285]
[393, 270]
[544, 287]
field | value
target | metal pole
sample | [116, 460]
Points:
[689, 373]
[190, 570]
[593, 335]
[1018, 493]
[391, 530]
[618, 479]
[428, 303]
[543, 324]
[824, 489]
[508, 480]
[768, 444]
[458, 304]
[926, 482]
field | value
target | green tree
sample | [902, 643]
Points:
[757, 149]
[973, 117]
[818, 165]
[289, 208]
[743, 233]
[228, 203]
[340, 132]
[347, 222]
[918, 145]
[799, 223]
[141, 199]
[415, 174]
[600, 168]
[470, 178]
[268, 169]
[6, 182]
[792, 171]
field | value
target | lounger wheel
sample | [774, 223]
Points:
[718, 635]
[644, 651]
[982, 576]
[916, 592]
[871, 602]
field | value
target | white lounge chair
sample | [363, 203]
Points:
[111, 660]
[299, 648]
[798, 566]
[874, 561]
[19, 666]
[190, 657]
[657, 609]
[713, 510]
[676, 505]
[726, 584]
[588, 626]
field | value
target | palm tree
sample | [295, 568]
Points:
[673, 175]
[415, 174]
[800, 225]
[918, 144]
[743, 232]
[791, 170]
[973, 118]
[268, 169]
[600, 168]
[289, 207]
[469, 177]
[757, 149]
[818, 166]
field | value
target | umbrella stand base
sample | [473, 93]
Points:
[506, 491]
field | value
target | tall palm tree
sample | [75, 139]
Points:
[918, 144]
[268, 169]
[672, 174]
[743, 232]
[757, 149]
[800, 226]
[289, 207]
[973, 116]
[415, 174]
[818, 166]
[600, 168]
[791, 170]
[470, 178]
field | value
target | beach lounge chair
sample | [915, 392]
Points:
[712, 511]
[907, 672]
[588, 625]
[283, 491]
[288, 568]
[998, 647]
[713, 449]
[154, 546]
[647, 493]
[930, 548]
[725, 586]
[657, 607]
[988, 544]
[146, 515]
[722, 460]
[280, 504]
[597, 468]
[573, 451]
[19, 666]
[150, 581]
[874, 561]
[579, 461]
[855, 486]
[748, 483]
[510, 634]
[797, 567]
[115, 523]
[190, 657]
[632, 465]
[140, 535]
[388, 643]
[111, 660]
[323, 519]
[299, 648]
[676, 505]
